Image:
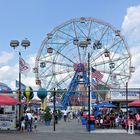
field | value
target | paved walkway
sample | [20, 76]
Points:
[74, 127]
[65, 127]
[67, 131]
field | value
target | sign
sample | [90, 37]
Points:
[7, 121]
[121, 95]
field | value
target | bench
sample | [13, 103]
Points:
[105, 125]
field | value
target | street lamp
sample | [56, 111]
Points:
[132, 70]
[89, 92]
[50, 51]
[14, 44]
[54, 109]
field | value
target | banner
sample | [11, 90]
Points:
[121, 95]
[7, 121]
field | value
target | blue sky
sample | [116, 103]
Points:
[33, 19]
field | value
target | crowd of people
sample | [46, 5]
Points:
[29, 120]
[107, 119]
[117, 119]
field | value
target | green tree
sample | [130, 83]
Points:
[47, 114]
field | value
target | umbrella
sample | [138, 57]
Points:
[7, 100]
[106, 105]
[134, 103]
[91, 105]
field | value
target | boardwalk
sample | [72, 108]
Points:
[66, 131]
[64, 127]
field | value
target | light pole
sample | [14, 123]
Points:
[132, 70]
[127, 104]
[89, 91]
[14, 44]
[54, 109]
[50, 51]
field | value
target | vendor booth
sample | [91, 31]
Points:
[7, 112]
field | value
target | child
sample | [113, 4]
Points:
[23, 124]
[35, 123]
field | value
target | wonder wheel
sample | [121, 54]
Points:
[64, 52]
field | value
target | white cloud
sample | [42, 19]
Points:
[5, 57]
[131, 25]
[131, 31]
[10, 73]
[29, 79]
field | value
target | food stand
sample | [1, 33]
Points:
[7, 112]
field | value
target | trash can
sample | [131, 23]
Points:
[90, 125]
[84, 121]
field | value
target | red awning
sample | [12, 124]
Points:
[7, 100]
[134, 103]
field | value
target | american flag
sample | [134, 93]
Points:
[97, 75]
[23, 66]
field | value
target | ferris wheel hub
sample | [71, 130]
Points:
[80, 67]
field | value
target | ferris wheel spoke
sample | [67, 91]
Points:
[57, 43]
[104, 83]
[66, 33]
[62, 81]
[122, 78]
[49, 82]
[58, 63]
[102, 52]
[114, 73]
[112, 60]
[79, 56]
[89, 31]
[120, 64]
[58, 73]
[64, 56]
[103, 34]
[81, 30]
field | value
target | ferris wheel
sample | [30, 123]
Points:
[67, 46]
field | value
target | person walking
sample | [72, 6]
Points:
[65, 116]
[29, 119]
[35, 123]
[22, 124]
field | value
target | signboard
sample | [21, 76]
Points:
[121, 95]
[7, 121]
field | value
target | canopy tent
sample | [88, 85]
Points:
[4, 89]
[135, 103]
[7, 100]
[106, 105]
[91, 105]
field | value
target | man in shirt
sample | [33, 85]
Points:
[29, 121]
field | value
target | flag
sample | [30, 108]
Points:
[22, 85]
[23, 66]
[94, 82]
[97, 75]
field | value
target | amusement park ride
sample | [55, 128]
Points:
[62, 59]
